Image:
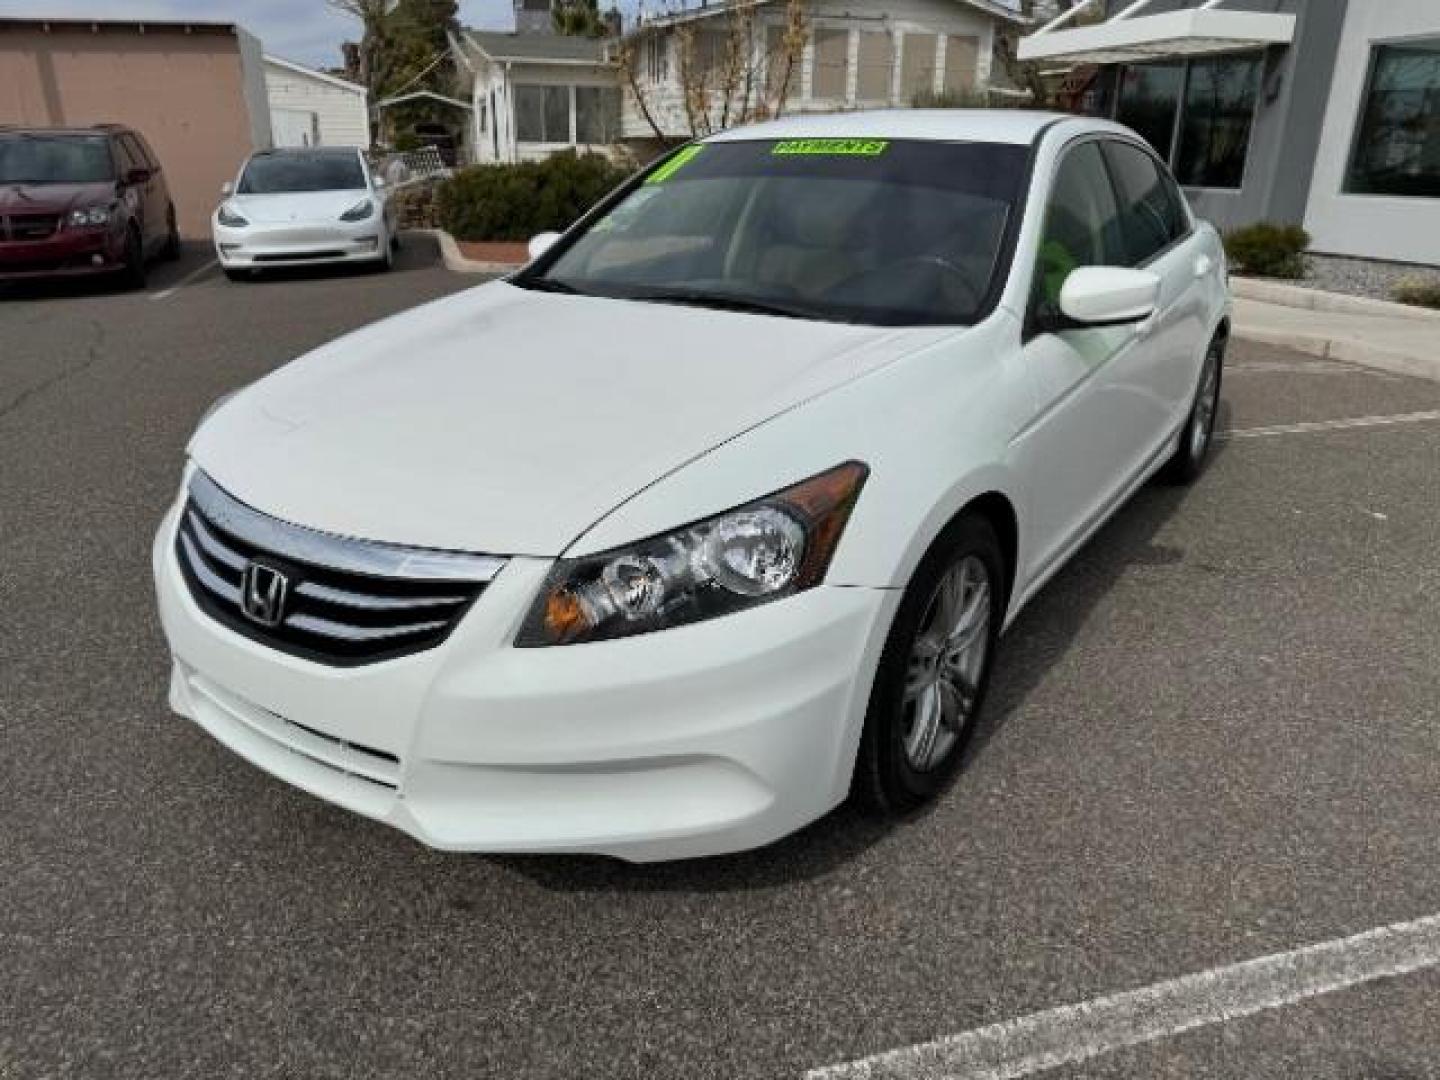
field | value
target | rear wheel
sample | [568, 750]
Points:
[1188, 461]
[934, 671]
[237, 275]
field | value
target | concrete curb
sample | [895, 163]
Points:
[1347, 350]
[456, 262]
[1296, 296]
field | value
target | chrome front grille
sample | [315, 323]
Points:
[326, 598]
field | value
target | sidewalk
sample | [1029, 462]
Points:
[1400, 344]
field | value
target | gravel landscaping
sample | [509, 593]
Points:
[1361, 277]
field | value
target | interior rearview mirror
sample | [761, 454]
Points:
[1109, 295]
[228, 188]
[539, 245]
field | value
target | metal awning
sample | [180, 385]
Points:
[1194, 32]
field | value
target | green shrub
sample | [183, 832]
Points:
[1419, 290]
[1268, 250]
[515, 202]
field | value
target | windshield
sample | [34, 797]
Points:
[870, 231]
[55, 159]
[278, 174]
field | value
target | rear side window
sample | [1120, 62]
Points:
[1152, 216]
[130, 156]
[142, 151]
[1082, 221]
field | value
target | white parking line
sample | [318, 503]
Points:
[194, 275]
[1331, 425]
[1076, 1033]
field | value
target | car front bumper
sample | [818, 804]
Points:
[263, 247]
[70, 252]
[696, 741]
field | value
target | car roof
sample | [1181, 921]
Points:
[308, 151]
[93, 132]
[1019, 127]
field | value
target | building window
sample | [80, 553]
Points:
[917, 66]
[657, 58]
[876, 77]
[597, 115]
[831, 80]
[542, 114]
[1397, 151]
[781, 70]
[1214, 100]
[962, 64]
[1149, 96]
[1215, 130]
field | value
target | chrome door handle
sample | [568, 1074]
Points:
[1203, 265]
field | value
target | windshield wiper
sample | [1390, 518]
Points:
[550, 285]
[725, 302]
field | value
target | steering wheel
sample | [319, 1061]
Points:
[939, 262]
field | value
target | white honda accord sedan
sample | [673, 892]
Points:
[302, 207]
[715, 513]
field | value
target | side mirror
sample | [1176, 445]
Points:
[138, 176]
[1109, 295]
[539, 245]
[381, 183]
[227, 189]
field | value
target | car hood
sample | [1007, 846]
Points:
[308, 206]
[509, 421]
[52, 198]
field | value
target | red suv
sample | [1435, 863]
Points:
[82, 201]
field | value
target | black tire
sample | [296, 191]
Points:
[237, 275]
[887, 781]
[171, 251]
[133, 273]
[1190, 457]
[395, 241]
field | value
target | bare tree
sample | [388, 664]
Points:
[724, 77]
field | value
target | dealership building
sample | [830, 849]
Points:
[1322, 113]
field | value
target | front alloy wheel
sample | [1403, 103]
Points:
[1188, 461]
[931, 682]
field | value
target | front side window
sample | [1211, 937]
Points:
[1151, 215]
[1397, 150]
[1215, 131]
[1082, 222]
[855, 230]
[55, 159]
[295, 173]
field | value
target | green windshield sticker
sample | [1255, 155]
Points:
[830, 148]
[674, 165]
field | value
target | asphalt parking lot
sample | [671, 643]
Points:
[1215, 737]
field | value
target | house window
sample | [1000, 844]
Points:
[778, 63]
[917, 66]
[877, 66]
[1149, 96]
[1215, 130]
[597, 115]
[542, 114]
[657, 58]
[1214, 100]
[832, 65]
[1397, 151]
[962, 64]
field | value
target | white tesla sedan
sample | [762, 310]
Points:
[715, 513]
[302, 207]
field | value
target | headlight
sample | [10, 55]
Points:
[360, 211]
[90, 215]
[772, 548]
[231, 218]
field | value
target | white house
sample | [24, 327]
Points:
[311, 108]
[536, 93]
[856, 55]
